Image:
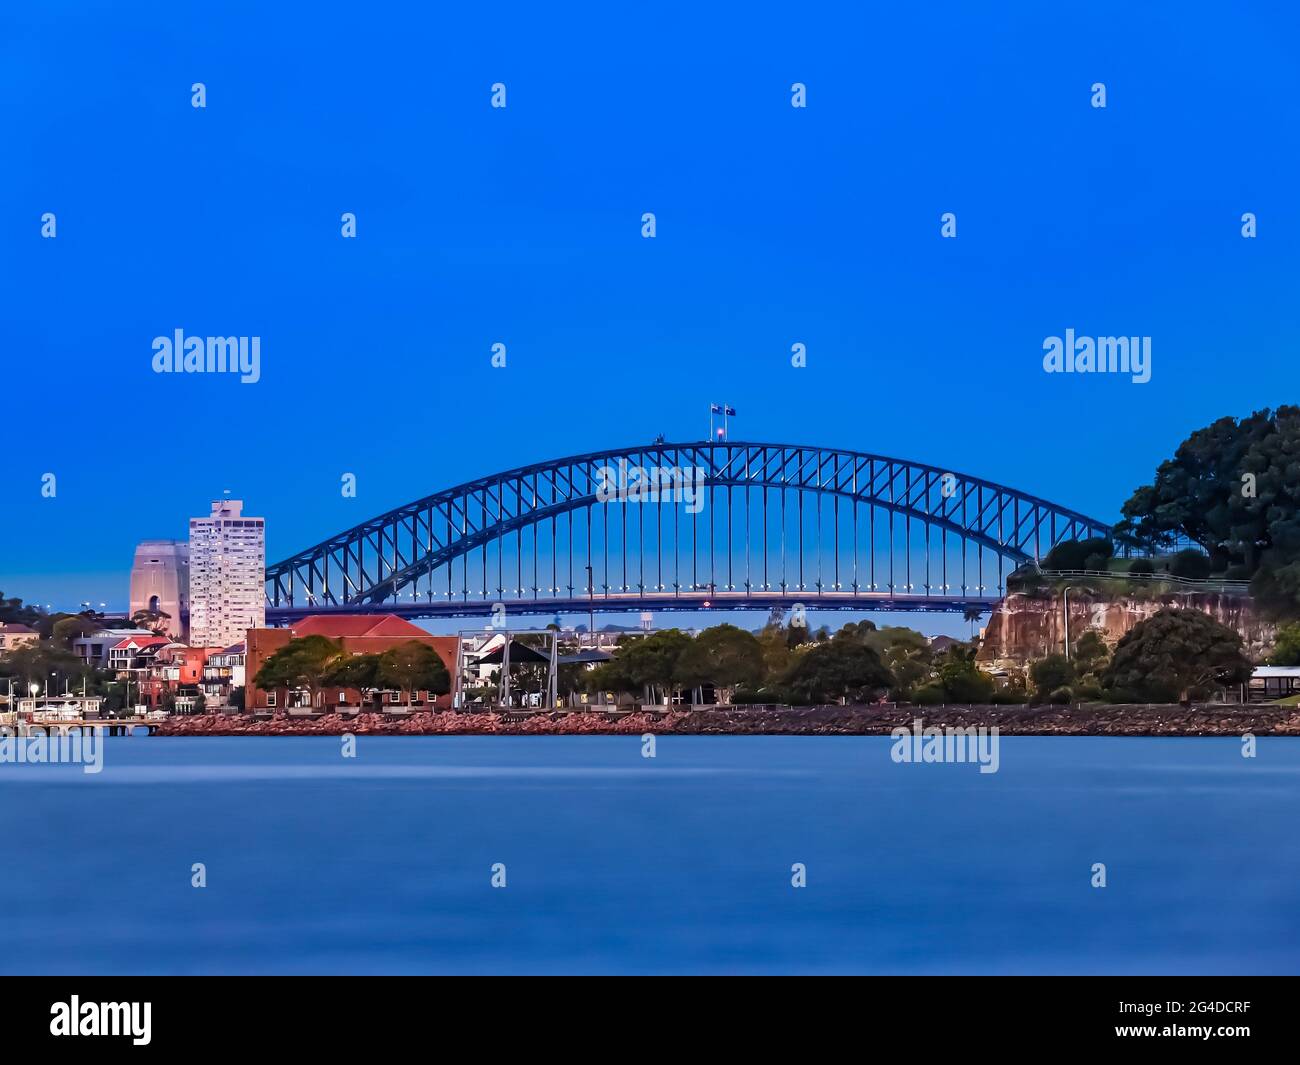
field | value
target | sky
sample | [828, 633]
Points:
[522, 226]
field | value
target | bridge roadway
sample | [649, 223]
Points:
[630, 602]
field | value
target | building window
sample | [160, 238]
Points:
[270, 698]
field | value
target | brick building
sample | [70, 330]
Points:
[357, 634]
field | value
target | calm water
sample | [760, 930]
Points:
[616, 863]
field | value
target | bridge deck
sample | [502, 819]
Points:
[630, 602]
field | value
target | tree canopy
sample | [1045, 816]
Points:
[1232, 487]
[1175, 655]
[1286, 650]
[840, 668]
[14, 612]
[1080, 554]
[301, 663]
[414, 666]
[724, 656]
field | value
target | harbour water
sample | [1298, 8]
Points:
[383, 863]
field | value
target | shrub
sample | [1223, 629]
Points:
[1051, 673]
[1191, 564]
[1075, 554]
[1025, 581]
[964, 683]
[1061, 697]
[1286, 651]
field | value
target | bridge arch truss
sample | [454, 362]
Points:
[774, 524]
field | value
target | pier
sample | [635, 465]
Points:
[109, 727]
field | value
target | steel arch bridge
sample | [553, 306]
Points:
[730, 525]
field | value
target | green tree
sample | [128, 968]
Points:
[963, 681]
[776, 650]
[652, 662]
[414, 666]
[1276, 587]
[611, 677]
[153, 620]
[14, 612]
[837, 669]
[72, 627]
[857, 630]
[1234, 488]
[1051, 674]
[1090, 653]
[1078, 554]
[906, 654]
[301, 663]
[47, 664]
[723, 656]
[1190, 563]
[358, 672]
[1175, 655]
[1286, 651]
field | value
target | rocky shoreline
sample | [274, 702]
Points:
[1085, 720]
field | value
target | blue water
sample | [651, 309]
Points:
[615, 863]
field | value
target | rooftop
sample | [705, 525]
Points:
[138, 641]
[336, 626]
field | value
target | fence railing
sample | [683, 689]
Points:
[1190, 584]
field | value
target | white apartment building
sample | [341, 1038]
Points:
[227, 575]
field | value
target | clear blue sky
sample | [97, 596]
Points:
[522, 226]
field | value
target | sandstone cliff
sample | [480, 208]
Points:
[1025, 627]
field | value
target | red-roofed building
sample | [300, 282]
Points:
[135, 652]
[174, 675]
[358, 627]
[356, 633]
[13, 636]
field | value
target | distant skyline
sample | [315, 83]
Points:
[522, 226]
